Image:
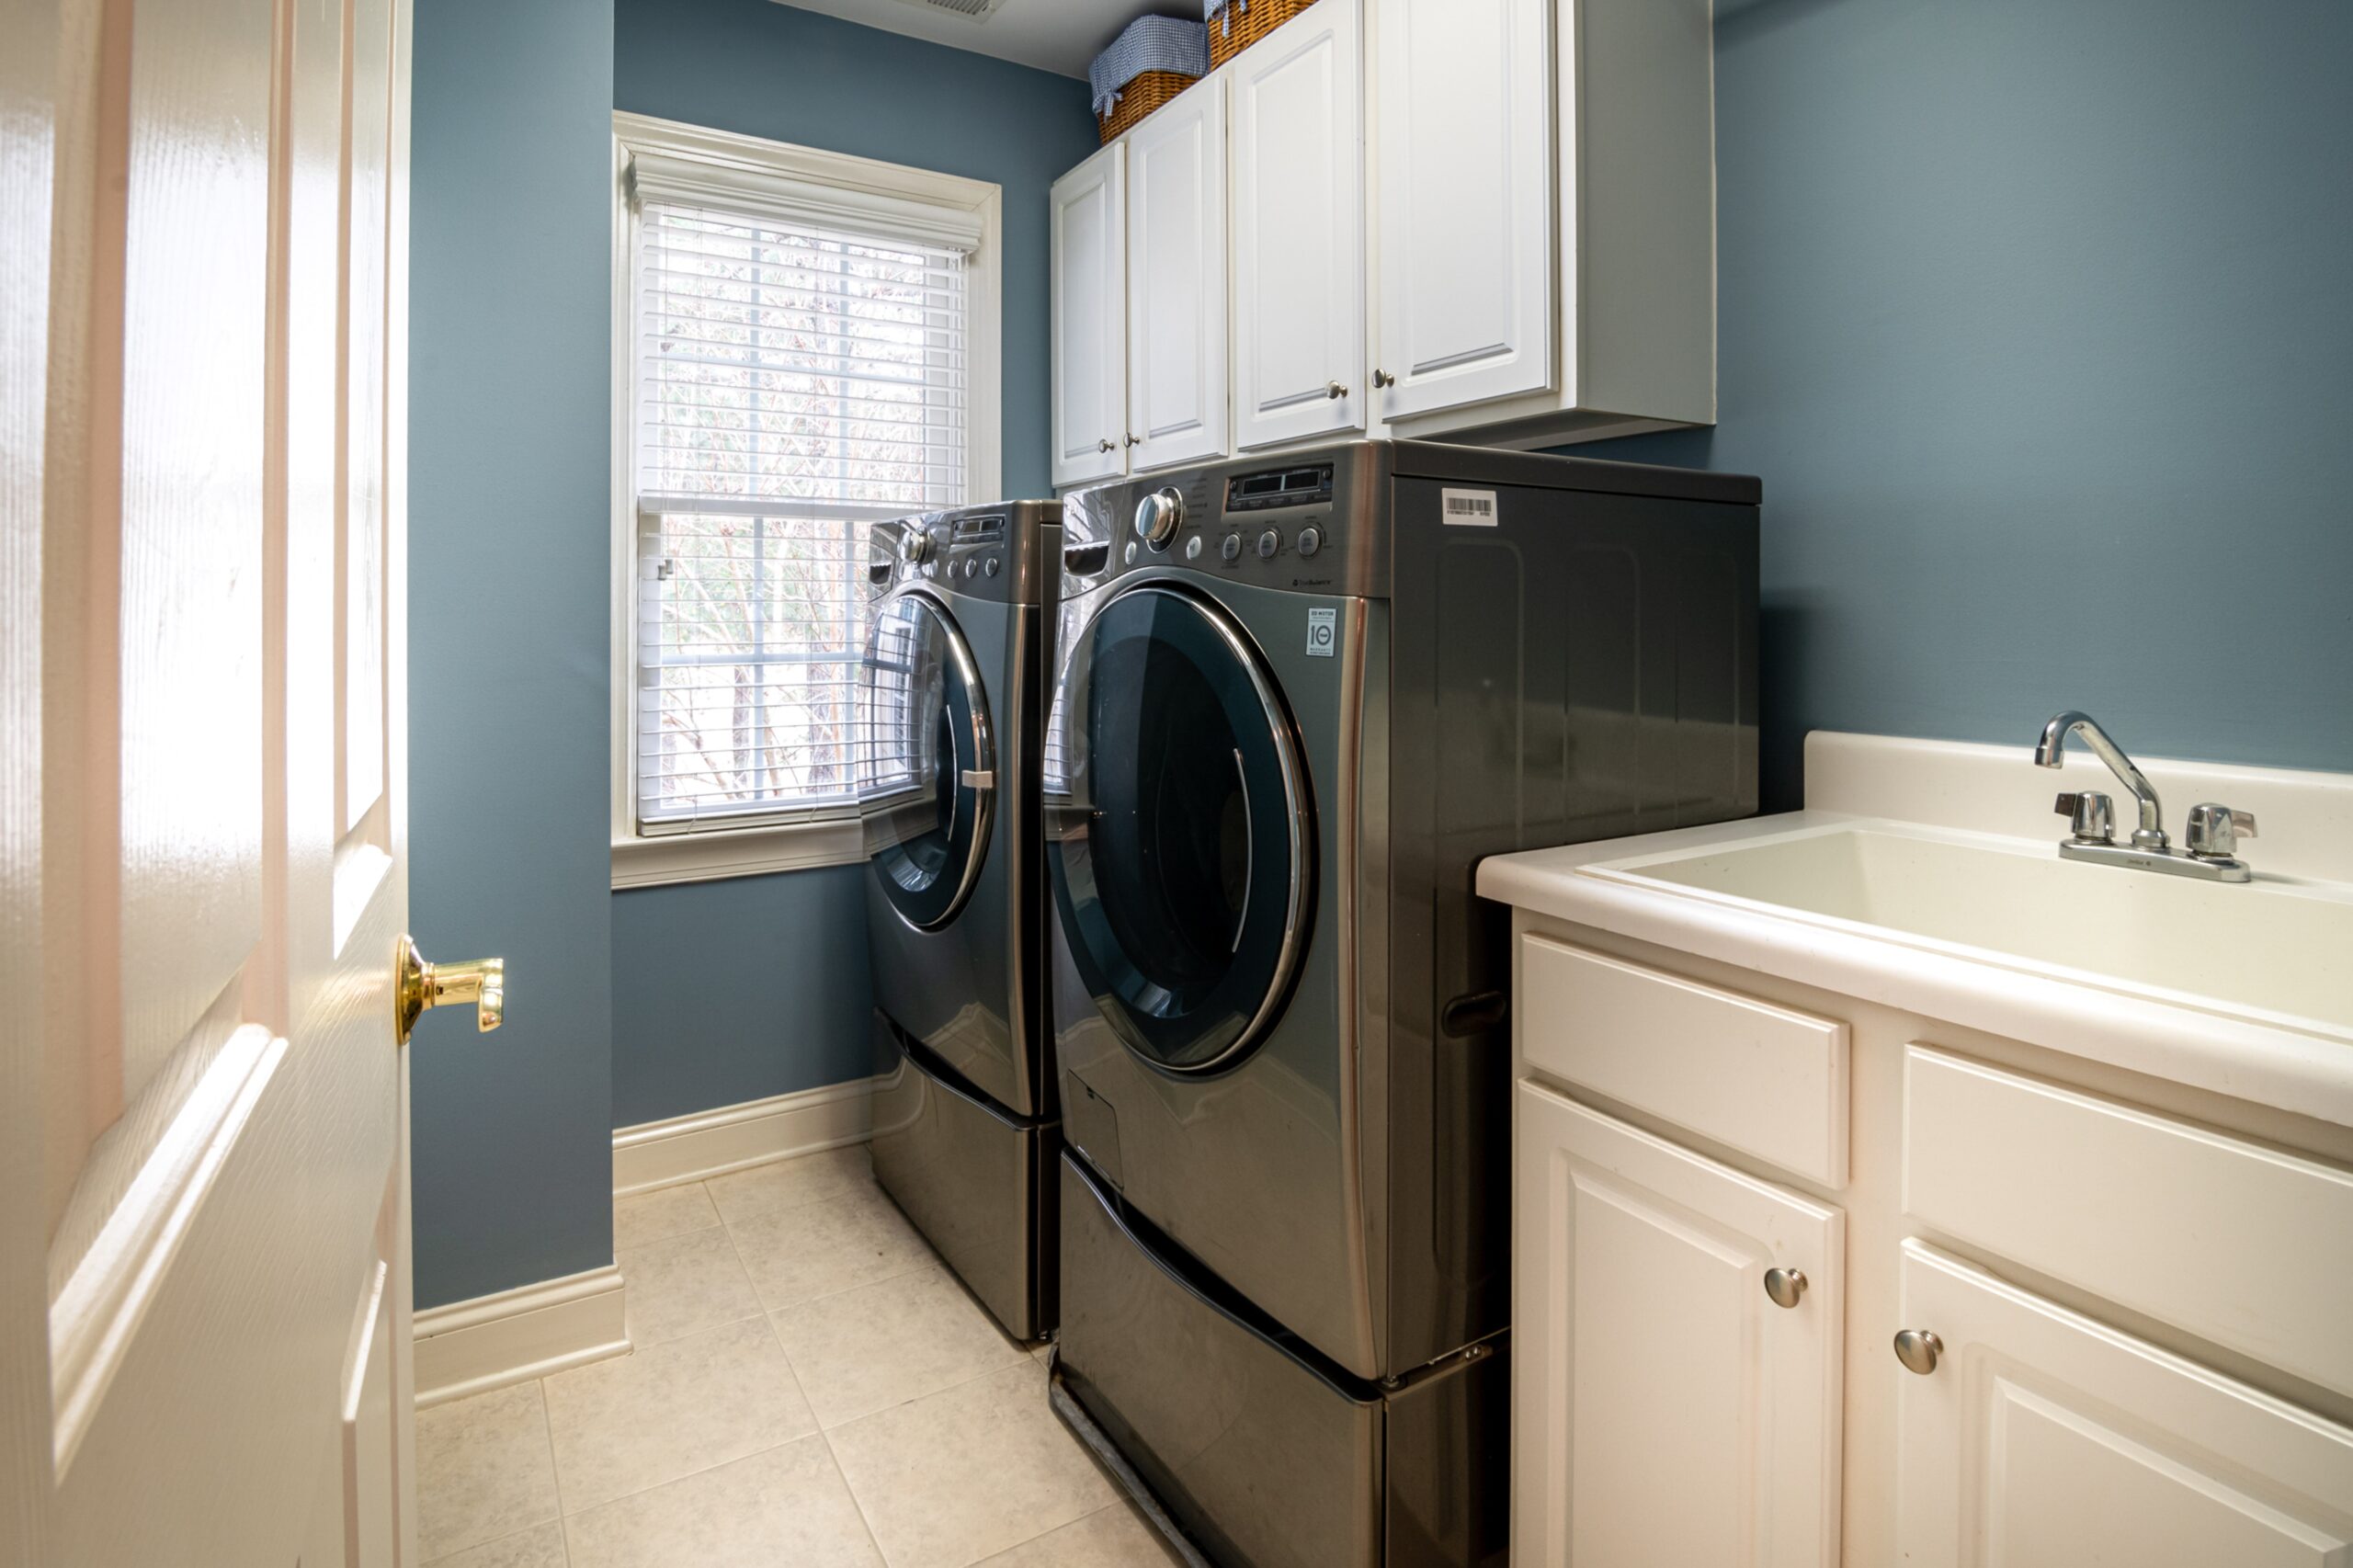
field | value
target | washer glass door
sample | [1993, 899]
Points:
[1179, 831]
[927, 784]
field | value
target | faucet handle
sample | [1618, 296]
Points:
[2091, 815]
[2215, 831]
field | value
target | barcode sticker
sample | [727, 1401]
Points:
[1468, 508]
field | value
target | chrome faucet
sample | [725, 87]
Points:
[2151, 834]
[2214, 830]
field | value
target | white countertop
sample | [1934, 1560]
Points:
[1953, 789]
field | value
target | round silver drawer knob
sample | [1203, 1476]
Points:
[1785, 1286]
[1918, 1350]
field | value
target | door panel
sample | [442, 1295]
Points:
[220, 708]
[1176, 321]
[1087, 256]
[1298, 168]
[1665, 1411]
[1180, 832]
[2043, 1440]
[928, 779]
[1464, 121]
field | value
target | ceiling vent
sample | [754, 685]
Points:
[970, 10]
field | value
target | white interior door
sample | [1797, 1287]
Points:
[1178, 390]
[1665, 1410]
[1087, 259]
[1298, 168]
[1464, 117]
[218, 1197]
[2043, 1440]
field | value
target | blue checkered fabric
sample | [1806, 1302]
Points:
[1148, 43]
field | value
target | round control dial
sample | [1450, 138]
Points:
[916, 546]
[1159, 516]
[1269, 542]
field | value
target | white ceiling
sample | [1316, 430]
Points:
[1060, 35]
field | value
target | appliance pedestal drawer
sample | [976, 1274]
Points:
[974, 1181]
[1263, 1455]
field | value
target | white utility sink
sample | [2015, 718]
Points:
[2275, 948]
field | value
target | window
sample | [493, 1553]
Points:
[807, 347]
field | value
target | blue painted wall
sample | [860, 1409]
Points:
[2036, 320]
[509, 661]
[733, 991]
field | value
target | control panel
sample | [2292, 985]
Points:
[1274, 526]
[981, 552]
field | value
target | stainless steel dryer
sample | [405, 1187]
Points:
[1299, 699]
[952, 708]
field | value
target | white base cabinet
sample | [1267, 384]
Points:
[2044, 1439]
[2056, 1314]
[1667, 1411]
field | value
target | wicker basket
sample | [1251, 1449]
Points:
[1140, 97]
[1152, 61]
[1241, 23]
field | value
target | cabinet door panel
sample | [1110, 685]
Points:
[1298, 166]
[1087, 248]
[1176, 324]
[2044, 1439]
[1665, 1411]
[1463, 117]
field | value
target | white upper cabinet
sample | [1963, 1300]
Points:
[1677, 1336]
[1086, 253]
[1463, 194]
[1176, 259]
[1299, 230]
[2039, 1439]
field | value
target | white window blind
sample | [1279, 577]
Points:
[796, 382]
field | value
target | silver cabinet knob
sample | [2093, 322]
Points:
[2091, 815]
[1132, 441]
[1785, 1286]
[1918, 1350]
[1383, 379]
[1105, 446]
[1335, 390]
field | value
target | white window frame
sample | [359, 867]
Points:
[748, 164]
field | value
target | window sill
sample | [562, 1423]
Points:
[663, 859]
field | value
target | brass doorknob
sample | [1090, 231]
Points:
[417, 985]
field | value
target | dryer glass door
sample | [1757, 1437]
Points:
[927, 760]
[1179, 831]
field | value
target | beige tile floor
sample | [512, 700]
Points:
[809, 1386]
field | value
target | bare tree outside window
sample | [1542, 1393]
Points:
[795, 386]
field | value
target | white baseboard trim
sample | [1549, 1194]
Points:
[516, 1335]
[712, 1142]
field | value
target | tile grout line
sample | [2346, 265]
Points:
[566, 1515]
[832, 1455]
[555, 1471]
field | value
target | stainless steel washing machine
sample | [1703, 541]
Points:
[952, 714]
[1299, 699]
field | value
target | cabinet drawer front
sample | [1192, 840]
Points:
[1764, 1079]
[1664, 1410]
[2241, 1244]
[2044, 1439]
